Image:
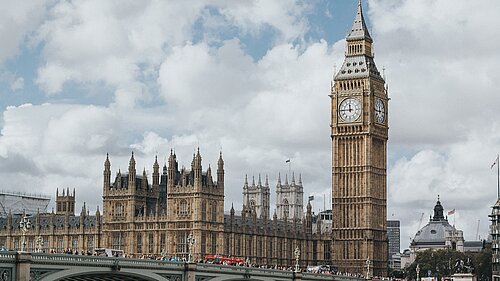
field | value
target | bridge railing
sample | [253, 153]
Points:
[243, 270]
[8, 256]
[64, 259]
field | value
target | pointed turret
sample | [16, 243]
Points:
[172, 169]
[196, 167]
[259, 183]
[300, 179]
[209, 175]
[107, 174]
[286, 179]
[220, 173]
[253, 181]
[245, 186]
[359, 29]
[131, 172]
[144, 179]
[156, 173]
[279, 179]
[267, 181]
[293, 178]
[358, 62]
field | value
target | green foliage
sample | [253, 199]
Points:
[442, 263]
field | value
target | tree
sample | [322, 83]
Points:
[444, 263]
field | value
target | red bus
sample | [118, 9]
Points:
[218, 259]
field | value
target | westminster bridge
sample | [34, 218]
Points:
[20, 266]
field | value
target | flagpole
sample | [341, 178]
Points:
[498, 176]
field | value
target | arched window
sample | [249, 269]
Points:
[214, 211]
[183, 208]
[252, 205]
[203, 210]
[118, 210]
[286, 207]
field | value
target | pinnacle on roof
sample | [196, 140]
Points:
[359, 29]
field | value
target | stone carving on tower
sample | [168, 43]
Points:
[359, 133]
[289, 199]
[256, 198]
[195, 203]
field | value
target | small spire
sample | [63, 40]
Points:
[246, 180]
[293, 178]
[107, 164]
[253, 180]
[259, 183]
[267, 181]
[300, 179]
[279, 178]
[359, 29]
[286, 179]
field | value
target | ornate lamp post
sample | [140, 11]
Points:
[39, 244]
[418, 272]
[190, 241]
[297, 257]
[25, 225]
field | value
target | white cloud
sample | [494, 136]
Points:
[176, 84]
[17, 20]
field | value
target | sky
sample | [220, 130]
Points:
[79, 79]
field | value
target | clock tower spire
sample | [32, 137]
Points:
[359, 133]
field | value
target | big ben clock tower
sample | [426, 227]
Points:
[359, 148]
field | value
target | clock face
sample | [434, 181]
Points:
[350, 109]
[379, 111]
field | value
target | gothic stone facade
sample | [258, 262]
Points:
[151, 219]
[359, 142]
[59, 231]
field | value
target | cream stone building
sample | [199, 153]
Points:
[437, 234]
[359, 131]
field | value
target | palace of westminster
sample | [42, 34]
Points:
[156, 215]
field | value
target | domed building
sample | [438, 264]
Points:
[437, 234]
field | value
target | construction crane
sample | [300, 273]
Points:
[420, 222]
[419, 225]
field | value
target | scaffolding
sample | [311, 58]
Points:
[18, 202]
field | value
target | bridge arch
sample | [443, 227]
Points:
[101, 275]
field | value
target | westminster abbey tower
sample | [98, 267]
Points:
[359, 141]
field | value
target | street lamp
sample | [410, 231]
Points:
[39, 244]
[297, 257]
[190, 241]
[25, 225]
[368, 263]
[418, 272]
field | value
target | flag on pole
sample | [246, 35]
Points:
[452, 212]
[311, 198]
[494, 163]
[287, 161]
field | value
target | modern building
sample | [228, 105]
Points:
[18, 203]
[495, 240]
[394, 246]
[437, 234]
[359, 132]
